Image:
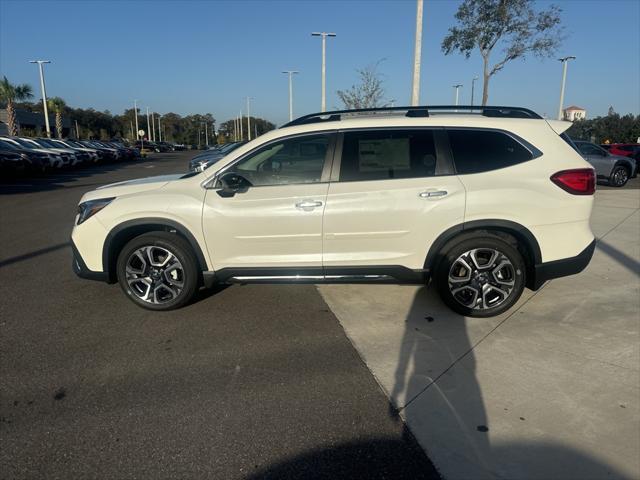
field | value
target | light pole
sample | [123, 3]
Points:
[159, 130]
[241, 127]
[135, 115]
[249, 117]
[44, 94]
[457, 87]
[148, 126]
[473, 84]
[417, 55]
[291, 73]
[564, 62]
[206, 134]
[324, 36]
[153, 127]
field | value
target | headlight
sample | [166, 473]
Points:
[89, 209]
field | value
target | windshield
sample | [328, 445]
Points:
[46, 144]
[26, 143]
[7, 145]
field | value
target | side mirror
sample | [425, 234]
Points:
[232, 183]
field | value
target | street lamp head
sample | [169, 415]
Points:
[322, 34]
[564, 59]
[39, 61]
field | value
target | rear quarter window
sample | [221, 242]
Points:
[476, 151]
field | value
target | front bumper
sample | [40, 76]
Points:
[80, 268]
[543, 272]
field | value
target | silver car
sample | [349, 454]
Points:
[616, 169]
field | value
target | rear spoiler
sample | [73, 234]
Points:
[559, 126]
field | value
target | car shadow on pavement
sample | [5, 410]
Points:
[438, 394]
[35, 253]
[619, 256]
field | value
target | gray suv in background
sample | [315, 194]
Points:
[614, 168]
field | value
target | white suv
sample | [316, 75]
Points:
[484, 201]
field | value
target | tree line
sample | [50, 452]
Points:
[612, 128]
[193, 129]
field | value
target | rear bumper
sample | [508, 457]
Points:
[80, 268]
[543, 272]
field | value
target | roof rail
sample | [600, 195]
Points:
[420, 111]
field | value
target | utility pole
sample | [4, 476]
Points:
[417, 56]
[249, 118]
[148, 126]
[44, 94]
[291, 73]
[473, 84]
[324, 36]
[135, 115]
[564, 62]
[457, 87]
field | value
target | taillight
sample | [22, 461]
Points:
[581, 181]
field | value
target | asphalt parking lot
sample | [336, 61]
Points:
[248, 382]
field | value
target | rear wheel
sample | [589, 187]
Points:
[619, 176]
[158, 271]
[481, 277]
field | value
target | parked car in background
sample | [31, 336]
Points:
[67, 154]
[178, 147]
[12, 163]
[204, 160]
[56, 159]
[626, 150]
[91, 152]
[37, 162]
[615, 169]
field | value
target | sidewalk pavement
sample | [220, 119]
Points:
[550, 389]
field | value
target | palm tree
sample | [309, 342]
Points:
[57, 105]
[10, 93]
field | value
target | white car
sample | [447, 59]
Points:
[483, 201]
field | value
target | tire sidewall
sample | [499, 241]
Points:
[177, 247]
[452, 253]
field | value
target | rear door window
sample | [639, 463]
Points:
[387, 154]
[476, 151]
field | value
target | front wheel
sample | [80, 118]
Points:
[619, 176]
[481, 277]
[158, 271]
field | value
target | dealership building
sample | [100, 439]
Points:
[34, 122]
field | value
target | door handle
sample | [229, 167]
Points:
[308, 204]
[432, 194]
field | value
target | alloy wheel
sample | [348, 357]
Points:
[481, 278]
[154, 274]
[620, 176]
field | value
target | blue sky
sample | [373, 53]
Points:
[206, 56]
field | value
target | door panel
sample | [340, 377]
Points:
[389, 222]
[275, 219]
[267, 226]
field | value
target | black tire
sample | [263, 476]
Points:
[619, 176]
[189, 272]
[480, 241]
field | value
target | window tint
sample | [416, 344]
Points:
[295, 160]
[386, 154]
[590, 149]
[477, 151]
